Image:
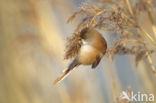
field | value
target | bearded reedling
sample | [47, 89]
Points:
[92, 48]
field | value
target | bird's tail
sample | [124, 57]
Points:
[65, 73]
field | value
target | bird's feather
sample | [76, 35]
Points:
[96, 62]
[66, 72]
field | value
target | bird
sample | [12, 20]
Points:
[92, 48]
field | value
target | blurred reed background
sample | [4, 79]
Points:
[32, 43]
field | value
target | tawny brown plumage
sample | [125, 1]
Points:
[92, 49]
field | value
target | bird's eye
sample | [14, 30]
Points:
[82, 36]
[83, 32]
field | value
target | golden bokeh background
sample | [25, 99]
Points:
[32, 43]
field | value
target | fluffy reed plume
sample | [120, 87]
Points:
[72, 46]
[121, 19]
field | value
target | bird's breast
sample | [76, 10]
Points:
[87, 54]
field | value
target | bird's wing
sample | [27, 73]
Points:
[96, 62]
